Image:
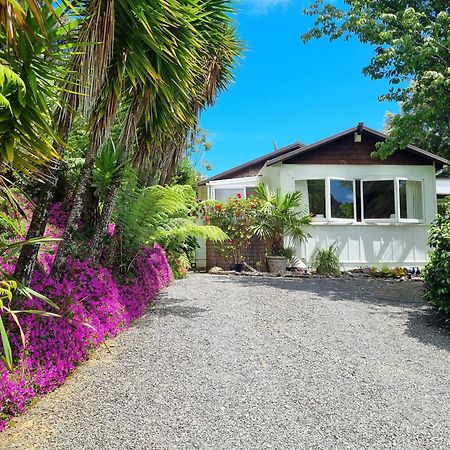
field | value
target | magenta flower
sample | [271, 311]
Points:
[110, 229]
[94, 307]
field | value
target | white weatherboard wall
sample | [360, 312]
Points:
[364, 244]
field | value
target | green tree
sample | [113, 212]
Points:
[411, 40]
[210, 72]
[36, 46]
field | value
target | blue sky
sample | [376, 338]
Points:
[286, 90]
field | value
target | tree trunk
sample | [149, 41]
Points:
[98, 240]
[29, 253]
[125, 141]
[75, 214]
[91, 212]
[100, 127]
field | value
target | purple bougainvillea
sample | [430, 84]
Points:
[93, 307]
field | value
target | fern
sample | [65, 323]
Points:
[165, 215]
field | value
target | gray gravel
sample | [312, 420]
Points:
[250, 363]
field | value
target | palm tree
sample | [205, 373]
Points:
[187, 81]
[38, 44]
[80, 87]
[279, 217]
[159, 153]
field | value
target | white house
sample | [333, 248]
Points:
[378, 211]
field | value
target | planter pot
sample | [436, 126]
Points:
[277, 264]
[238, 267]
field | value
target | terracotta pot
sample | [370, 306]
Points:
[277, 264]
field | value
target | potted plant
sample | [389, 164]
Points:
[279, 218]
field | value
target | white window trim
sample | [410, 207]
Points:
[397, 181]
[396, 220]
[396, 201]
[338, 219]
[233, 183]
[328, 219]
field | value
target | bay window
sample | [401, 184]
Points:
[344, 200]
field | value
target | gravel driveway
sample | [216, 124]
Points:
[250, 363]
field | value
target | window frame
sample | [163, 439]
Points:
[396, 201]
[328, 218]
[233, 183]
[395, 220]
[316, 219]
[328, 212]
[397, 182]
[233, 188]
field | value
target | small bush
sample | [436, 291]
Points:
[326, 260]
[437, 271]
[386, 272]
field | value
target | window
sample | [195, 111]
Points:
[411, 204]
[342, 199]
[334, 199]
[316, 197]
[378, 199]
[222, 195]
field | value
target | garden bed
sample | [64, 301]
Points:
[358, 273]
[92, 305]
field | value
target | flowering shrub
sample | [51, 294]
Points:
[93, 306]
[235, 217]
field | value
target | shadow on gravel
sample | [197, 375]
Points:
[170, 306]
[426, 326]
[422, 321]
[374, 292]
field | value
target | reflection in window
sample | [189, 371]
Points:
[411, 205]
[342, 199]
[249, 191]
[222, 195]
[316, 197]
[379, 199]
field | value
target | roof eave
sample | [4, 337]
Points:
[307, 148]
[261, 159]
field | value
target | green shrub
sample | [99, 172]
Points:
[326, 260]
[437, 270]
[165, 215]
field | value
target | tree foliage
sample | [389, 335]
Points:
[411, 40]
[436, 273]
[31, 63]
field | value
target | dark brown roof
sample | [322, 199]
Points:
[261, 161]
[440, 162]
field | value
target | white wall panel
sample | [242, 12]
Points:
[370, 245]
